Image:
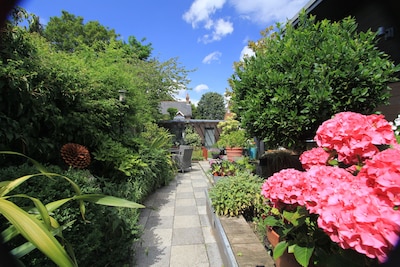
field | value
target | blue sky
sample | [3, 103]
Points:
[205, 35]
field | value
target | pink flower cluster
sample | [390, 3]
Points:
[354, 136]
[313, 157]
[359, 210]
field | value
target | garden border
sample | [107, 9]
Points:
[237, 242]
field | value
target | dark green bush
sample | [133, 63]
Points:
[301, 76]
[103, 238]
[238, 195]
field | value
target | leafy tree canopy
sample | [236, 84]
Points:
[299, 77]
[48, 97]
[69, 32]
[211, 107]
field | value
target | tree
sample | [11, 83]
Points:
[172, 112]
[142, 51]
[46, 96]
[299, 77]
[194, 111]
[211, 107]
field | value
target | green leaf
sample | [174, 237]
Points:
[292, 217]
[8, 186]
[280, 249]
[271, 221]
[56, 204]
[303, 254]
[27, 247]
[44, 215]
[109, 201]
[35, 232]
[9, 233]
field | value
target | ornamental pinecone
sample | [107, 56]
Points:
[75, 155]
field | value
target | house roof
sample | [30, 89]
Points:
[184, 107]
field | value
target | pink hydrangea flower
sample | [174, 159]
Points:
[285, 186]
[354, 136]
[315, 156]
[381, 130]
[382, 172]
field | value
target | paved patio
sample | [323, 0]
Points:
[177, 231]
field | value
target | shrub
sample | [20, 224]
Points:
[99, 239]
[191, 137]
[238, 195]
[299, 77]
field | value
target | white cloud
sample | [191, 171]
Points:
[201, 10]
[201, 87]
[268, 11]
[203, 13]
[246, 51]
[214, 56]
[220, 28]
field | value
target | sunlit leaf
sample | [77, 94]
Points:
[279, 249]
[109, 201]
[44, 215]
[11, 185]
[27, 247]
[35, 232]
[303, 254]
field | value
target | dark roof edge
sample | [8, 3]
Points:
[308, 7]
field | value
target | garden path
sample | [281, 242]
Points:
[177, 231]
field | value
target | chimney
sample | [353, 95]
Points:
[187, 98]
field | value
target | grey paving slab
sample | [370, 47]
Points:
[185, 195]
[160, 222]
[163, 211]
[186, 221]
[201, 210]
[204, 221]
[152, 256]
[214, 256]
[156, 238]
[189, 255]
[186, 210]
[187, 236]
[184, 202]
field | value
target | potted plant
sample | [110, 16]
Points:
[232, 138]
[215, 152]
[344, 207]
[221, 168]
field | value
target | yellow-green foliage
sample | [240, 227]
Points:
[236, 195]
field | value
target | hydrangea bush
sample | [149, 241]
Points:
[351, 182]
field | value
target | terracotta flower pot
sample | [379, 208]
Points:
[287, 259]
[205, 152]
[234, 153]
